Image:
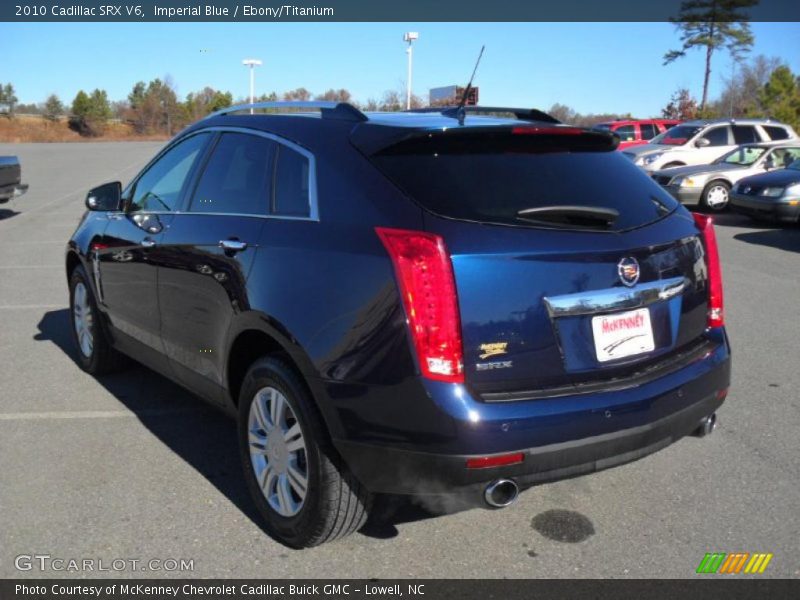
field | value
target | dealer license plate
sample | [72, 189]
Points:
[622, 334]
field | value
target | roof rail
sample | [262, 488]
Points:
[328, 110]
[523, 114]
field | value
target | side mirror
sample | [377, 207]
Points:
[106, 197]
[702, 143]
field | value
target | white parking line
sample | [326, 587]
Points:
[26, 267]
[93, 414]
[24, 306]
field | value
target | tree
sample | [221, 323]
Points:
[340, 95]
[300, 94]
[53, 108]
[90, 113]
[154, 107]
[681, 106]
[741, 94]
[780, 96]
[208, 100]
[563, 113]
[712, 24]
[8, 98]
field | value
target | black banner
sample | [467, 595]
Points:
[505, 589]
[365, 10]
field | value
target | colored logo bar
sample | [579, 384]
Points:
[736, 562]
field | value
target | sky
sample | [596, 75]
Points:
[591, 67]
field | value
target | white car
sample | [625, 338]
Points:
[702, 142]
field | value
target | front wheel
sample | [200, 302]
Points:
[304, 492]
[95, 353]
[716, 196]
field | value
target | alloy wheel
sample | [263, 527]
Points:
[278, 452]
[83, 319]
[717, 197]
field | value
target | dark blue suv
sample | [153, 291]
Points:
[440, 302]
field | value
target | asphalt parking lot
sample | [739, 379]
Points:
[133, 467]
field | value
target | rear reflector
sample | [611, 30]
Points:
[716, 309]
[499, 460]
[425, 278]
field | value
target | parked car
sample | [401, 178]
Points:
[635, 132]
[702, 142]
[710, 185]
[11, 184]
[774, 195]
[406, 303]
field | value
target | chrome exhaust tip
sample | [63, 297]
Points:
[501, 493]
[707, 426]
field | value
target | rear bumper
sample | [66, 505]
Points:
[12, 191]
[394, 471]
[560, 438]
[765, 208]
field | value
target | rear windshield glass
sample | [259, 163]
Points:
[495, 187]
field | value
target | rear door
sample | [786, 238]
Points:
[207, 254]
[561, 299]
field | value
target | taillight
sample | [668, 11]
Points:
[427, 286]
[716, 312]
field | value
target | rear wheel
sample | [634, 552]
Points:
[95, 353]
[304, 492]
[716, 196]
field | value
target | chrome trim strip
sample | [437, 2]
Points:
[611, 299]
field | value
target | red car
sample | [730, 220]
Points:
[634, 132]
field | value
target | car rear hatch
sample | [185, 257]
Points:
[573, 269]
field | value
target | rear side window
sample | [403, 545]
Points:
[649, 130]
[292, 184]
[745, 134]
[776, 133]
[237, 177]
[493, 187]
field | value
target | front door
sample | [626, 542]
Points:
[127, 256]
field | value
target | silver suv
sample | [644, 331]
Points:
[701, 142]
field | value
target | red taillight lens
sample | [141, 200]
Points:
[425, 278]
[498, 460]
[716, 312]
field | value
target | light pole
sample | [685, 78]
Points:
[252, 63]
[410, 37]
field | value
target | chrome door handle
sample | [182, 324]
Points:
[148, 242]
[232, 245]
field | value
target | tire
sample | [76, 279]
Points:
[716, 196]
[334, 504]
[672, 164]
[95, 352]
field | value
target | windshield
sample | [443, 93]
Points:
[746, 156]
[602, 127]
[678, 135]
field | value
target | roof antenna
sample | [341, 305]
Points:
[461, 113]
